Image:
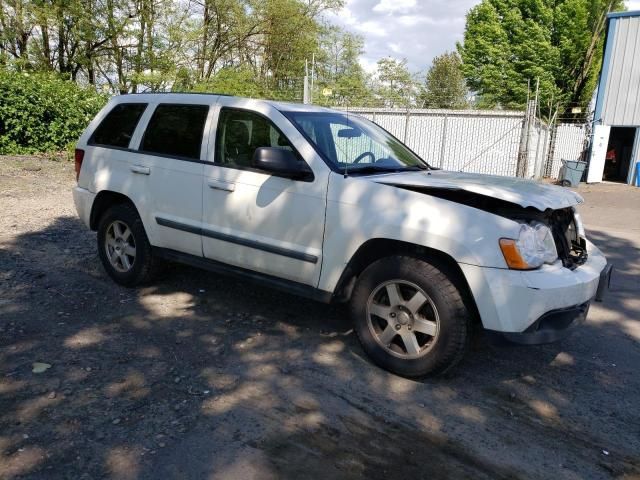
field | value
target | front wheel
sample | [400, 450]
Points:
[410, 317]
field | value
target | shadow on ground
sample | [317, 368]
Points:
[200, 376]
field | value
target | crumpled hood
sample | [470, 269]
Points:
[526, 193]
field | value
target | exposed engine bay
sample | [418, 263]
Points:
[570, 245]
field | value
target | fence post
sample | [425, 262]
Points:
[406, 126]
[444, 140]
[544, 153]
[553, 137]
[537, 164]
[523, 150]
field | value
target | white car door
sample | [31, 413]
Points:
[168, 167]
[253, 219]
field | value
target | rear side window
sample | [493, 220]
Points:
[117, 127]
[176, 130]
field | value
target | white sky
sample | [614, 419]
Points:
[417, 30]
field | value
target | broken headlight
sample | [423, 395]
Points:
[533, 247]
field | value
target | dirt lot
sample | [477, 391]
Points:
[200, 376]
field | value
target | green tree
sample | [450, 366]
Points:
[338, 69]
[510, 44]
[240, 81]
[151, 45]
[445, 86]
[16, 31]
[396, 87]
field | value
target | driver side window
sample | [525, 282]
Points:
[240, 133]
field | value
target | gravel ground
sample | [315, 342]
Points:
[200, 376]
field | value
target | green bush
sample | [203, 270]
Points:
[42, 112]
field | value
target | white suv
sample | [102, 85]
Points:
[328, 205]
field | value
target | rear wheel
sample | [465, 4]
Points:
[123, 246]
[410, 317]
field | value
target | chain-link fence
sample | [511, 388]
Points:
[482, 141]
[568, 143]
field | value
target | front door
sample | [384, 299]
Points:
[256, 220]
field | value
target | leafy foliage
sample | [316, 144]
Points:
[150, 45]
[510, 44]
[261, 48]
[244, 47]
[445, 86]
[396, 87]
[41, 112]
[338, 70]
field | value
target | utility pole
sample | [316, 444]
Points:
[305, 89]
[529, 119]
[313, 74]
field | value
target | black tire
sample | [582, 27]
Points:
[565, 183]
[143, 267]
[454, 319]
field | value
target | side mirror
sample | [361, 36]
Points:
[281, 162]
[349, 133]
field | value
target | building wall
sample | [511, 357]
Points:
[620, 100]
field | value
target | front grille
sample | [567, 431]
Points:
[571, 247]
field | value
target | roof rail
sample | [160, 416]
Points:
[181, 93]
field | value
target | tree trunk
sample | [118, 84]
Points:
[62, 65]
[46, 48]
[91, 72]
[22, 36]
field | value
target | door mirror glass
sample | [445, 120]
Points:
[280, 162]
[349, 133]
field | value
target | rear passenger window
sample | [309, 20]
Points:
[117, 127]
[176, 130]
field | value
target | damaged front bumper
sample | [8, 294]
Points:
[551, 327]
[557, 324]
[538, 306]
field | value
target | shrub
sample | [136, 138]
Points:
[42, 112]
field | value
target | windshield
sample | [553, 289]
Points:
[353, 144]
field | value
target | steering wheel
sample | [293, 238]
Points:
[363, 155]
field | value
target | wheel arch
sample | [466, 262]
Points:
[378, 248]
[104, 200]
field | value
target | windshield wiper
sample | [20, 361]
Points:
[381, 169]
[414, 168]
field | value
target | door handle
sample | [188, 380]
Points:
[220, 185]
[140, 169]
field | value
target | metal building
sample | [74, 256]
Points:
[616, 134]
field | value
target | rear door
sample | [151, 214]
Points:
[253, 219]
[107, 156]
[170, 152]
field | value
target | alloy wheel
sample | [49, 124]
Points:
[120, 246]
[403, 319]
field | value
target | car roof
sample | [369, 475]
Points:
[206, 96]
